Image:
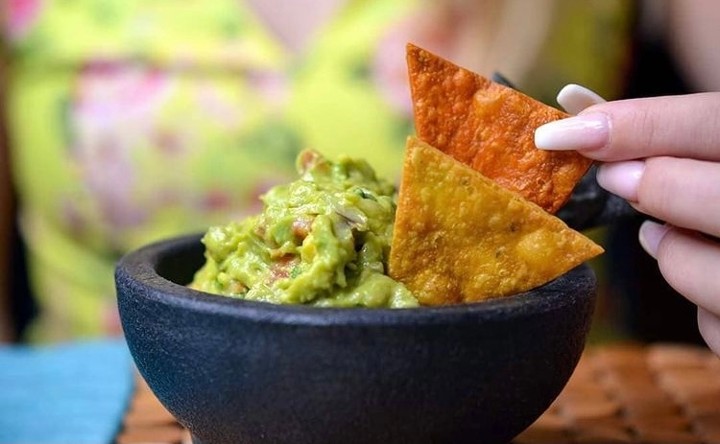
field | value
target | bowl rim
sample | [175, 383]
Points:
[137, 269]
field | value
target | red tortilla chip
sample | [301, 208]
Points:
[460, 237]
[490, 127]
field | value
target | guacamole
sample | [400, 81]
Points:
[322, 240]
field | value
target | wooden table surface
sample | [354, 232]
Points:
[620, 393]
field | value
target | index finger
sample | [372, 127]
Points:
[679, 126]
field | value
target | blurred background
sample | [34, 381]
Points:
[128, 121]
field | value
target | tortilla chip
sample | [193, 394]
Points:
[490, 127]
[460, 237]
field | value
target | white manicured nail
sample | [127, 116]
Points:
[587, 131]
[622, 178]
[575, 98]
[651, 234]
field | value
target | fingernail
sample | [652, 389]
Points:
[575, 98]
[587, 131]
[622, 178]
[651, 234]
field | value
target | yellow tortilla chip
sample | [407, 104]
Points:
[491, 128]
[459, 237]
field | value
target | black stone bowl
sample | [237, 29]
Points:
[235, 371]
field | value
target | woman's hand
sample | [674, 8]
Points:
[663, 155]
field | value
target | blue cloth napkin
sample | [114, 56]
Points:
[73, 393]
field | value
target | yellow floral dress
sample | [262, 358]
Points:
[135, 120]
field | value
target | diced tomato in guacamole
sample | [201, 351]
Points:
[322, 240]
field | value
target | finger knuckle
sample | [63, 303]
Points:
[707, 139]
[643, 128]
[657, 190]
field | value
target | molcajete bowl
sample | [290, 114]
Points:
[235, 371]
